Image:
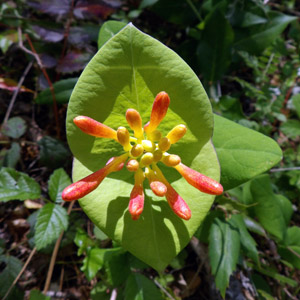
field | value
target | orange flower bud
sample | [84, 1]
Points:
[86, 185]
[176, 133]
[154, 135]
[157, 155]
[159, 110]
[137, 150]
[170, 160]
[135, 122]
[147, 159]
[94, 128]
[124, 138]
[132, 165]
[201, 182]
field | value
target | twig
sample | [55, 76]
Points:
[164, 290]
[293, 251]
[54, 255]
[113, 295]
[191, 4]
[20, 273]
[285, 169]
[40, 64]
[16, 92]
[289, 294]
[66, 35]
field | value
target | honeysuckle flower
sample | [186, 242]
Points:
[143, 151]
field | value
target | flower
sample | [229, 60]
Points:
[141, 157]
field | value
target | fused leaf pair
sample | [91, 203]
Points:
[143, 155]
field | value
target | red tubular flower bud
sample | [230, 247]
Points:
[134, 120]
[178, 205]
[136, 203]
[158, 188]
[86, 185]
[201, 182]
[94, 128]
[159, 110]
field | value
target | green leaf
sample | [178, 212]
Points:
[12, 156]
[256, 40]
[8, 275]
[14, 128]
[99, 234]
[117, 267]
[62, 89]
[108, 30]
[266, 270]
[214, 47]
[58, 180]
[291, 250]
[247, 242]
[93, 262]
[17, 186]
[99, 291]
[296, 103]
[53, 152]
[286, 208]
[83, 241]
[224, 248]
[51, 221]
[243, 153]
[268, 210]
[143, 67]
[139, 287]
[291, 128]
[37, 295]
[254, 226]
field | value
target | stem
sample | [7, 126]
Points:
[193, 7]
[54, 255]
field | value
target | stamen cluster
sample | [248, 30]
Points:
[143, 151]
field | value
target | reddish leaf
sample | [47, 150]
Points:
[11, 85]
[48, 35]
[97, 9]
[73, 62]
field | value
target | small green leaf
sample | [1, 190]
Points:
[99, 291]
[116, 266]
[247, 241]
[108, 30]
[58, 180]
[214, 47]
[62, 89]
[17, 186]
[224, 248]
[37, 295]
[51, 221]
[266, 270]
[268, 210]
[254, 226]
[12, 156]
[286, 208]
[243, 153]
[83, 241]
[139, 287]
[296, 103]
[291, 128]
[8, 275]
[258, 38]
[53, 152]
[93, 262]
[99, 234]
[14, 128]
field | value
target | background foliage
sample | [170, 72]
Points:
[246, 53]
